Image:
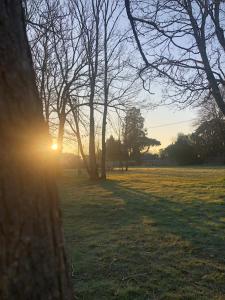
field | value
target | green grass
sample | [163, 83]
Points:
[155, 233]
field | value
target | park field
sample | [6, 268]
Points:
[156, 233]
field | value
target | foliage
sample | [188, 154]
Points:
[209, 139]
[135, 135]
[114, 149]
[205, 144]
[182, 151]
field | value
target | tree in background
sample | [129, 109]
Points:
[206, 144]
[135, 138]
[83, 70]
[182, 152]
[115, 153]
[208, 111]
[91, 22]
[209, 140]
[59, 59]
[114, 148]
[32, 255]
[118, 81]
[209, 136]
[110, 81]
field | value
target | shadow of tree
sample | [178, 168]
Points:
[136, 244]
[201, 223]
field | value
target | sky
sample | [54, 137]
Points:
[160, 121]
[165, 122]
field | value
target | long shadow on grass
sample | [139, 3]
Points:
[106, 228]
[197, 222]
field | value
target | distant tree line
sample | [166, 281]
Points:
[205, 145]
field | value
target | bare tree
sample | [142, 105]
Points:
[32, 256]
[182, 43]
[209, 111]
[93, 63]
[39, 16]
[71, 59]
[118, 77]
[81, 62]
[59, 60]
[111, 13]
[74, 124]
[88, 13]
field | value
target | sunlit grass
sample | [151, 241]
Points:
[154, 233]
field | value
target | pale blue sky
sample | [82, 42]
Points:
[158, 122]
[163, 114]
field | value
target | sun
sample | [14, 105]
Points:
[54, 147]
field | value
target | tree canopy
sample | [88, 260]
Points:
[135, 135]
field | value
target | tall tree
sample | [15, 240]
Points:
[59, 58]
[39, 14]
[93, 48]
[108, 30]
[88, 13]
[118, 79]
[74, 124]
[135, 135]
[32, 255]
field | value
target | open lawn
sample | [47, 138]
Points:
[155, 233]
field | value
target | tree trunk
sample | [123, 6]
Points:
[62, 121]
[32, 256]
[93, 171]
[106, 95]
[94, 73]
[103, 157]
[80, 145]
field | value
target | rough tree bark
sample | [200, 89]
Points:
[32, 256]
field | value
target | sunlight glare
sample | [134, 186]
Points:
[54, 147]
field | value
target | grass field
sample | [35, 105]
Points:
[155, 233]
